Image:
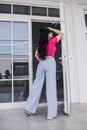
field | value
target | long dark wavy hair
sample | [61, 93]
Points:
[43, 40]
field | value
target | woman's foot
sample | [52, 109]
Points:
[28, 113]
[50, 118]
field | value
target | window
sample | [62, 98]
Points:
[5, 48]
[20, 69]
[5, 67]
[20, 37]
[20, 31]
[18, 9]
[86, 20]
[5, 38]
[5, 30]
[40, 11]
[53, 12]
[5, 8]
[25, 10]
[14, 60]
[5, 91]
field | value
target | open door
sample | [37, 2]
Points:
[62, 72]
[65, 85]
[65, 63]
[59, 74]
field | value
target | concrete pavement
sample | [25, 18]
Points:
[17, 120]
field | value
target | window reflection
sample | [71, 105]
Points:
[20, 31]
[14, 65]
[39, 11]
[21, 90]
[5, 47]
[21, 9]
[5, 69]
[20, 48]
[5, 91]
[5, 30]
[5, 8]
[53, 12]
[20, 68]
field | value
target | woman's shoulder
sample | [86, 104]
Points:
[53, 40]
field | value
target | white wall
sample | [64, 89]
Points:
[71, 52]
[35, 2]
[80, 47]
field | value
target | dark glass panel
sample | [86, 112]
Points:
[40, 11]
[5, 91]
[53, 12]
[21, 90]
[20, 69]
[20, 9]
[5, 8]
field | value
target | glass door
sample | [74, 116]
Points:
[61, 58]
[14, 60]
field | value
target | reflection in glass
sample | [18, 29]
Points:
[20, 69]
[5, 91]
[20, 48]
[21, 9]
[39, 11]
[20, 31]
[5, 8]
[5, 47]
[21, 90]
[5, 69]
[5, 30]
[53, 12]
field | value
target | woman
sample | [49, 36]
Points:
[45, 52]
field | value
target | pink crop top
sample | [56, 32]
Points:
[51, 47]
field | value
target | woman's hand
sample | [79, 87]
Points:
[58, 32]
[37, 55]
[49, 28]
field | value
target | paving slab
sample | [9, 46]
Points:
[16, 119]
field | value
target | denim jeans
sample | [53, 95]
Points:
[46, 68]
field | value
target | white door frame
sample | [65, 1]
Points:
[65, 62]
[64, 56]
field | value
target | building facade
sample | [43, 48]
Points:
[20, 21]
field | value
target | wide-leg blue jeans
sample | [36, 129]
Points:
[46, 68]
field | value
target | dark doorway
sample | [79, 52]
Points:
[59, 77]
